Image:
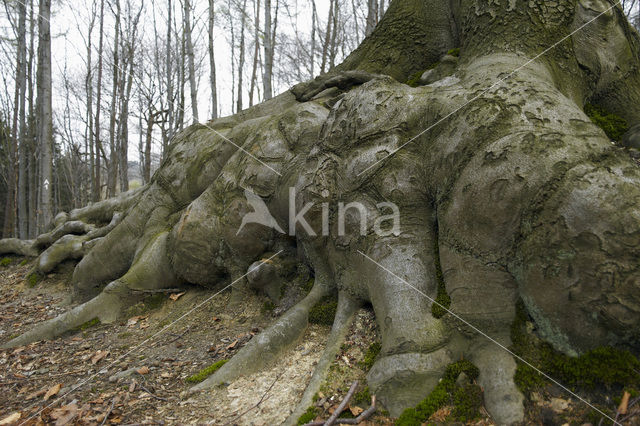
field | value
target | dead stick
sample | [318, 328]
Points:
[363, 416]
[342, 405]
[151, 393]
[106, 416]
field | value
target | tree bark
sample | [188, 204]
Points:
[212, 61]
[267, 76]
[44, 115]
[191, 61]
[21, 83]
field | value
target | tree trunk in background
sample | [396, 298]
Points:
[241, 59]
[97, 186]
[333, 48]
[89, 116]
[268, 52]
[112, 166]
[256, 50]
[32, 157]
[44, 115]
[314, 18]
[212, 62]
[166, 135]
[21, 82]
[191, 61]
[372, 16]
[327, 39]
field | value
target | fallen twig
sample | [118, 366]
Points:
[106, 416]
[158, 290]
[363, 416]
[342, 405]
[151, 393]
[177, 336]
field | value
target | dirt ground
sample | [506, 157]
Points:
[134, 371]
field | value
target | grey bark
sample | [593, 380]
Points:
[191, 61]
[21, 83]
[97, 188]
[44, 115]
[267, 75]
[212, 61]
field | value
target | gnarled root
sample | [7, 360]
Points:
[347, 307]
[268, 345]
[17, 246]
[150, 271]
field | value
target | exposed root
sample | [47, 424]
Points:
[150, 271]
[344, 80]
[268, 345]
[76, 227]
[103, 211]
[347, 307]
[17, 246]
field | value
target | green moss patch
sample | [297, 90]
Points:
[308, 416]
[454, 52]
[5, 261]
[605, 369]
[466, 399]
[370, 356]
[613, 125]
[206, 372]
[89, 324]
[324, 311]
[414, 79]
[33, 279]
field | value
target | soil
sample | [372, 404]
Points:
[72, 380]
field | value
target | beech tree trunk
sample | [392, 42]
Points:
[504, 187]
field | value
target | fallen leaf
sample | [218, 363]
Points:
[269, 261]
[132, 386]
[216, 319]
[232, 345]
[624, 404]
[176, 296]
[37, 394]
[53, 390]
[134, 320]
[355, 410]
[99, 356]
[65, 414]
[11, 418]
[143, 370]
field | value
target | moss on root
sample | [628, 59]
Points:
[324, 311]
[33, 279]
[603, 367]
[454, 52]
[613, 125]
[308, 416]
[466, 401]
[370, 356]
[89, 324]
[206, 372]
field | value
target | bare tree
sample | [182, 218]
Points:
[190, 61]
[212, 61]
[44, 114]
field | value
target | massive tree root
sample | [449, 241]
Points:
[516, 195]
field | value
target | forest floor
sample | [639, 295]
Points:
[129, 373]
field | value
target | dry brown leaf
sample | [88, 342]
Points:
[143, 370]
[134, 320]
[176, 296]
[624, 404]
[37, 394]
[53, 390]
[355, 410]
[11, 418]
[269, 261]
[232, 345]
[99, 356]
[65, 414]
[132, 386]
